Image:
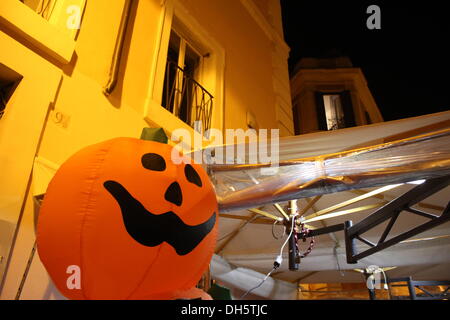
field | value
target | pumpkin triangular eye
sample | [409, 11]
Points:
[192, 175]
[153, 161]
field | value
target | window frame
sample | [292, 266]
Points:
[347, 108]
[339, 97]
[175, 16]
[183, 44]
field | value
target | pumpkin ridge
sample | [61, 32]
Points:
[87, 205]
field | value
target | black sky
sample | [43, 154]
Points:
[406, 63]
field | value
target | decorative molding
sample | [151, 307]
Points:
[268, 29]
[31, 28]
[280, 54]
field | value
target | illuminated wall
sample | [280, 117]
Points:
[59, 105]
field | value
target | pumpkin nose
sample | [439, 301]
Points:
[173, 194]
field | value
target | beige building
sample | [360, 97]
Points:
[76, 72]
[331, 94]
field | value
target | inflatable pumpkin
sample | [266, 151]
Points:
[136, 225]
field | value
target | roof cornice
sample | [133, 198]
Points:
[268, 29]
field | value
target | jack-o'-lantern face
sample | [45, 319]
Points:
[151, 229]
[136, 223]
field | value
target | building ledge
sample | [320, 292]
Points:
[27, 26]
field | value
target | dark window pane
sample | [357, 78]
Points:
[191, 63]
[174, 47]
[349, 116]
[171, 72]
[191, 72]
[9, 80]
[320, 109]
[183, 95]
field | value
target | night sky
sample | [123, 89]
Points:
[406, 63]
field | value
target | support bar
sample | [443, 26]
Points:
[406, 200]
[390, 211]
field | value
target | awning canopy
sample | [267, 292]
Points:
[423, 156]
[392, 152]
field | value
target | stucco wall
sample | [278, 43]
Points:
[81, 114]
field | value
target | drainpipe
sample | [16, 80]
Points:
[115, 65]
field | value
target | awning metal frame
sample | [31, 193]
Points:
[426, 294]
[390, 211]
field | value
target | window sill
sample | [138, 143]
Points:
[33, 29]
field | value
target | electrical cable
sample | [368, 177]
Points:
[342, 273]
[230, 233]
[385, 286]
[276, 263]
[287, 239]
[273, 233]
[260, 284]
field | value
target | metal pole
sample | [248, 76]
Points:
[350, 243]
[294, 257]
[411, 288]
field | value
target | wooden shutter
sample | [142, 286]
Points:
[349, 115]
[320, 108]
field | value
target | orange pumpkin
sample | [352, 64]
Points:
[136, 224]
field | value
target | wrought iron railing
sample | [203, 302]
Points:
[43, 8]
[186, 98]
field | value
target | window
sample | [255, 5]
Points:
[187, 80]
[334, 110]
[183, 95]
[9, 80]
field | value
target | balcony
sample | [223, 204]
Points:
[186, 98]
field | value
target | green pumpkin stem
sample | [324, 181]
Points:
[154, 134]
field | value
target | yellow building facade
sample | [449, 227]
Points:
[84, 71]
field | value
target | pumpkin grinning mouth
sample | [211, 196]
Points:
[151, 230]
